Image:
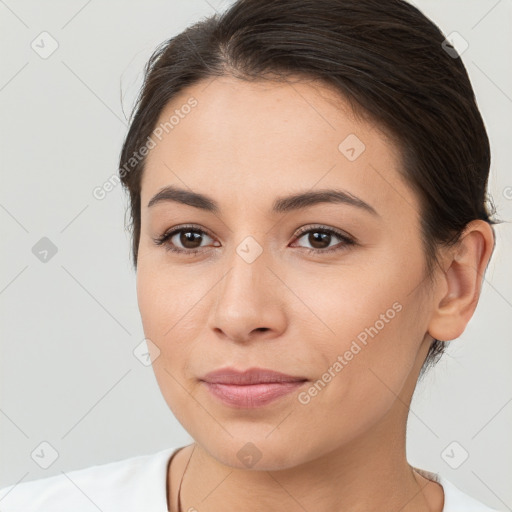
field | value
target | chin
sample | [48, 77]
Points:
[257, 452]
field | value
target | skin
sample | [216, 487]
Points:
[244, 145]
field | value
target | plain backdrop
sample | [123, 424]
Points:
[70, 324]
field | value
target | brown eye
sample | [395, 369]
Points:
[184, 239]
[189, 239]
[320, 239]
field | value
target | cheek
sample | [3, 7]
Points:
[173, 310]
[368, 333]
[161, 307]
[165, 299]
[355, 305]
[359, 385]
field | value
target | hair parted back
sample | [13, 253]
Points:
[384, 56]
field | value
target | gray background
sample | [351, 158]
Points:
[69, 325]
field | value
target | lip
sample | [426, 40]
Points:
[250, 376]
[251, 388]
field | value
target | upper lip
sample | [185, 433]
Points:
[249, 376]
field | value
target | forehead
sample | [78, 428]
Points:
[260, 139]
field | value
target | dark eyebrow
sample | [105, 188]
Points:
[281, 204]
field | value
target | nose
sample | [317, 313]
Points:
[249, 301]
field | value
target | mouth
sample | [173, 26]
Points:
[251, 388]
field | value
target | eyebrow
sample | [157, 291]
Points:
[281, 204]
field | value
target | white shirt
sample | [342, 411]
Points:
[138, 484]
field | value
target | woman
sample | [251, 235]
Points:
[308, 203]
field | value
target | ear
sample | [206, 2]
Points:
[458, 289]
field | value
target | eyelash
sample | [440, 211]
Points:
[162, 240]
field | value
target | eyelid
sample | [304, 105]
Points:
[322, 227]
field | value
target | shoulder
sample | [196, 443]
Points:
[458, 501]
[129, 484]
[455, 500]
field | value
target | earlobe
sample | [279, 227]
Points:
[458, 290]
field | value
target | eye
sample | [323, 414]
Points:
[320, 238]
[187, 239]
[183, 239]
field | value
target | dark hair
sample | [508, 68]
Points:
[384, 56]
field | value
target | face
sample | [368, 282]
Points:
[330, 289]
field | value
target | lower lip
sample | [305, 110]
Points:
[252, 395]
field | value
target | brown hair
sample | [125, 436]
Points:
[384, 56]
